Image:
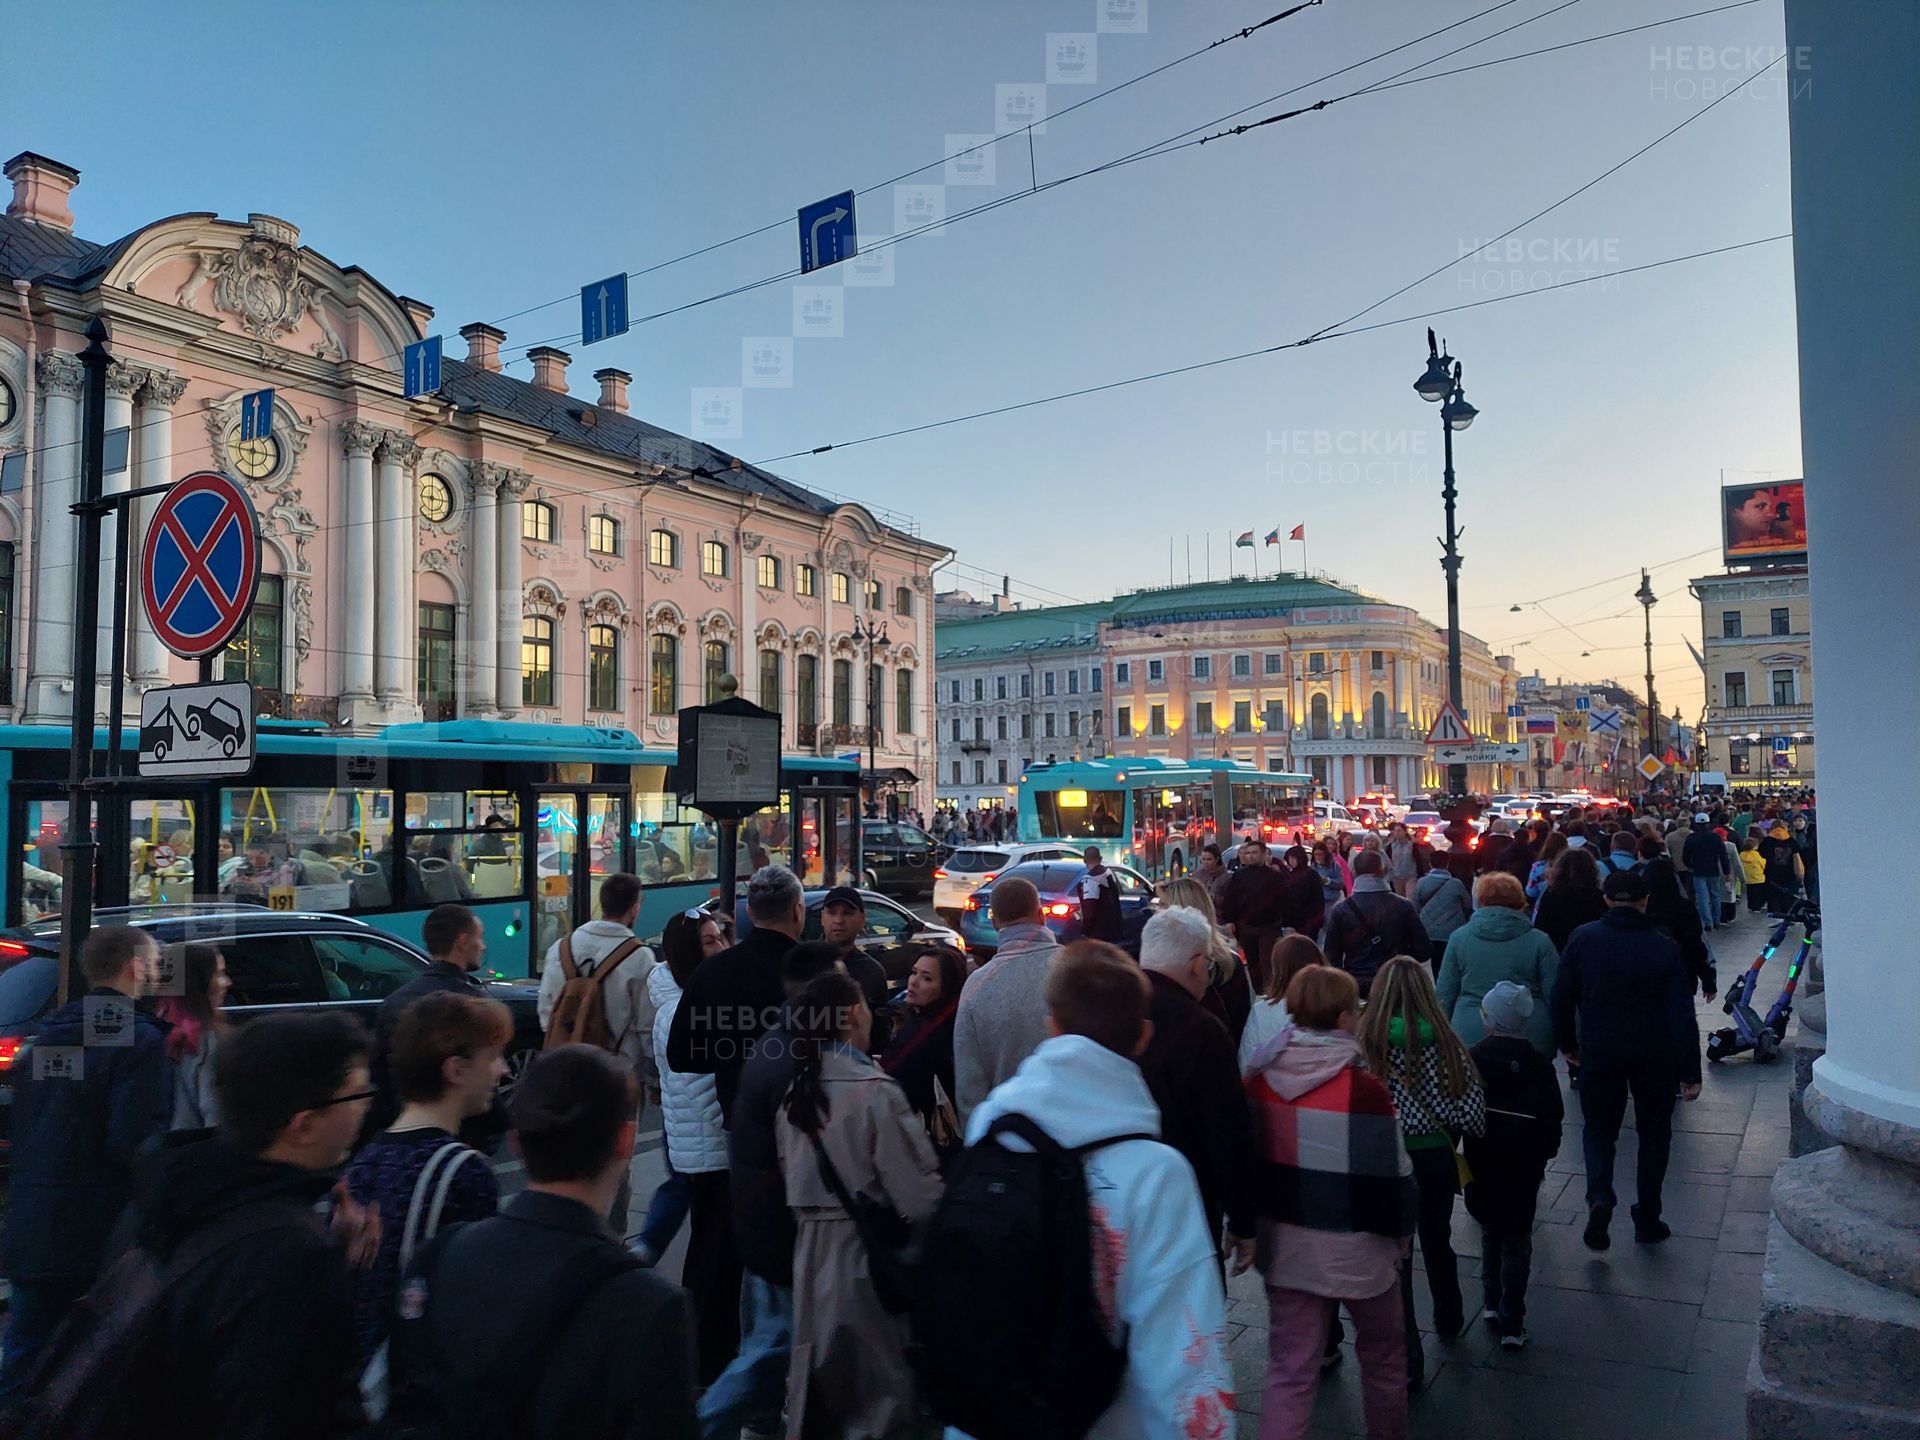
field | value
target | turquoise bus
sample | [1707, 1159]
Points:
[1154, 814]
[519, 821]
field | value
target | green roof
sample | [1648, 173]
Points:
[1064, 626]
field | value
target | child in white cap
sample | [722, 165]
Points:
[1524, 1112]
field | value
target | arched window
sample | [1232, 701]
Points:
[1379, 715]
[768, 567]
[903, 700]
[770, 680]
[806, 691]
[716, 666]
[433, 670]
[843, 692]
[903, 600]
[603, 667]
[873, 596]
[536, 660]
[713, 558]
[536, 521]
[663, 549]
[603, 535]
[1319, 726]
[837, 588]
[254, 651]
[663, 675]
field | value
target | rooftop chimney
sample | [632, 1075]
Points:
[483, 345]
[549, 368]
[613, 388]
[418, 311]
[40, 190]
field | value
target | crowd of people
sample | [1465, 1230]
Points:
[1304, 1070]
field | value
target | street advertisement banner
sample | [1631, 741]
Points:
[1764, 522]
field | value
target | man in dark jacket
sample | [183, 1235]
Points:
[456, 943]
[843, 919]
[1099, 894]
[538, 1319]
[1623, 1012]
[1191, 1067]
[1250, 903]
[94, 1085]
[735, 995]
[259, 1333]
[1704, 857]
[1372, 925]
[1671, 908]
[750, 1390]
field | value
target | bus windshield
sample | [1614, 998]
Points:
[1081, 814]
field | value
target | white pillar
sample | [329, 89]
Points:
[57, 466]
[123, 378]
[483, 580]
[746, 659]
[507, 599]
[394, 560]
[358, 437]
[153, 424]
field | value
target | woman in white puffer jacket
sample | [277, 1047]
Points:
[696, 1141]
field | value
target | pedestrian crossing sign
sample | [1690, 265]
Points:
[1449, 728]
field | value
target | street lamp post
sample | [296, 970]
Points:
[873, 637]
[1648, 600]
[1441, 382]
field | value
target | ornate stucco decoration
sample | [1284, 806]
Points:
[716, 625]
[542, 597]
[259, 283]
[664, 618]
[604, 607]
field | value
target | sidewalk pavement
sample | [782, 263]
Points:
[1634, 1340]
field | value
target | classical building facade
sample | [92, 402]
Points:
[1757, 639]
[1284, 674]
[501, 548]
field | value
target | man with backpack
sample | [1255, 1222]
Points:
[1069, 1282]
[593, 991]
[94, 1085]
[537, 1324]
[1372, 925]
[230, 1310]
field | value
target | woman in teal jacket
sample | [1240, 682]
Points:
[1498, 943]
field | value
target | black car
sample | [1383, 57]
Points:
[899, 859]
[276, 960]
[891, 935]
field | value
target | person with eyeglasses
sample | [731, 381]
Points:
[257, 1334]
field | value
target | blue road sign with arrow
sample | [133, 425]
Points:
[826, 232]
[603, 309]
[256, 415]
[421, 367]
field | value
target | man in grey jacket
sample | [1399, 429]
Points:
[1003, 1007]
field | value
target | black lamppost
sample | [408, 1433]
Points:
[1441, 382]
[1647, 601]
[873, 637]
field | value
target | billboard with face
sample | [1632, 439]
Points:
[1761, 522]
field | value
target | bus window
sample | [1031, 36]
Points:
[306, 849]
[606, 834]
[462, 846]
[160, 858]
[767, 838]
[1081, 814]
[42, 867]
[557, 853]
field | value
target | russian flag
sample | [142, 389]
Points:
[1541, 722]
[1273, 536]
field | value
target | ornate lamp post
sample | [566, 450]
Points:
[1441, 383]
[873, 637]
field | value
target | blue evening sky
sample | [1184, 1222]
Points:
[487, 157]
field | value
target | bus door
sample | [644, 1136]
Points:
[582, 835]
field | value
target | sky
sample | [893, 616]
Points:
[492, 157]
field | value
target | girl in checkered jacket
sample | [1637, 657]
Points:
[1437, 1094]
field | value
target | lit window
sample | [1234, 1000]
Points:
[663, 549]
[840, 589]
[717, 665]
[713, 558]
[663, 676]
[536, 660]
[805, 580]
[603, 668]
[767, 572]
[603, 535]
[536, 521]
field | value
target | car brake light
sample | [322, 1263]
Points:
[10, 1048]
[13, 950]
[1059, 907]
[990, 875]
[939, 874]
[973, 903]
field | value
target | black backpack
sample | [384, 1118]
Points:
[1009, 1339]
[99, 1374]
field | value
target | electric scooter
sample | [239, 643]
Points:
[1749, 1031]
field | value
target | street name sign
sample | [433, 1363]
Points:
[420, 367]
[826, 232]
[1494, 752]
[603, 309]
[1449, 728]
[200, 564]
[197, 730]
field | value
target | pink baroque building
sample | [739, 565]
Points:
[501, 549]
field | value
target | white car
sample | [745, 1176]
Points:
[972, 866]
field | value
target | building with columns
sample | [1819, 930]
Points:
[1292, 674]
[500, 549]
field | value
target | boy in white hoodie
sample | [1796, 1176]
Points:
[1157, 1276]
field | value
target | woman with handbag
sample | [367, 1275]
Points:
[860, 1175]
[920, 1053]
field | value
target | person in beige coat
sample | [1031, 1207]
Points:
[849, 1375]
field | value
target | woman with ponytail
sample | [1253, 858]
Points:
[849, 1142]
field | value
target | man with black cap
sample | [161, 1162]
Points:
[1623, 1012]
[843, 918]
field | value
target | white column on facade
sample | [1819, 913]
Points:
[123, 379]
[507, 599]
[746, 659]
[153, 424]
[357, 438]
[57, 466]
[393, 544]
[483, 609]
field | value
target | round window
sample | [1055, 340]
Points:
[436, 498]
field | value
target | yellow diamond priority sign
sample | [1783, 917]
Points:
[1650, 767]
